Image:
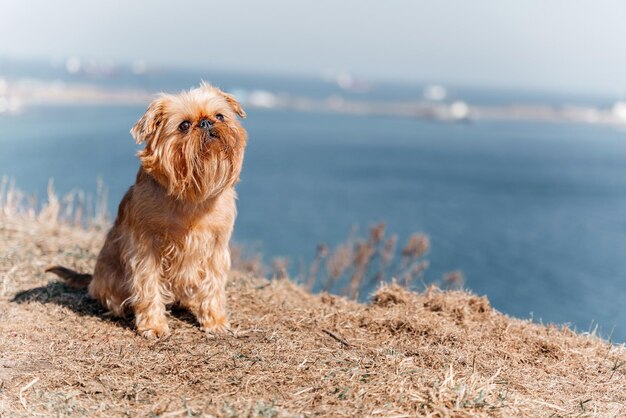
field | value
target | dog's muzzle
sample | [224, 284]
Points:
[207, 126]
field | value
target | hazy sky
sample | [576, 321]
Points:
[554, 44]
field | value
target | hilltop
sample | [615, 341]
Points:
[292, 354]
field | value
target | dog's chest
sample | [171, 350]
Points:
[195, 254]
[189, 249]
[192, 242]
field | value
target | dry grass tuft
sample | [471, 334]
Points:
[292, 354]
[247, 261]
[75, 208]
[363, 263]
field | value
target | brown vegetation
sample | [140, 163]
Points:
[363, 263]
[292, 353]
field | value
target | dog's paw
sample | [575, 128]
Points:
[216, 326]
[154, 331]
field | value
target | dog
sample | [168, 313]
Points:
[170, 240]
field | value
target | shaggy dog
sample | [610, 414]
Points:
[170, 240]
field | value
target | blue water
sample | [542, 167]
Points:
[533, 214]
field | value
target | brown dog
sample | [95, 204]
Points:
[169, 243]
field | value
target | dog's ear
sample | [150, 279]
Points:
[150, 123]
[234, 104]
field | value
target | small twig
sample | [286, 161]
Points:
[24, 389]
[336, 337]
[300, 392]
[616, 366]
[549, 405]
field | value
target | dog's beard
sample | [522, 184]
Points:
[197, 167]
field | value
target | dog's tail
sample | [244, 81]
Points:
[72, 278]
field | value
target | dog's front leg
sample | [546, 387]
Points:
[212, 314]
[208, 302]
[147, 298]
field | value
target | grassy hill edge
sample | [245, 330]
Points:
[293, 353]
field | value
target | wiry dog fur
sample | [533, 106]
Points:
[169, 243]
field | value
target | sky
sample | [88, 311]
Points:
[559, 45]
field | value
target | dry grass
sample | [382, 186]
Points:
[364, 263]
[76, 207]
[293, 353]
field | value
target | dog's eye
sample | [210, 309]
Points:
[184, 125]
[219, 117]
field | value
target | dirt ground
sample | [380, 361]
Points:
[292, 353]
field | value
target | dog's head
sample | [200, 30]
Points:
[194, 142]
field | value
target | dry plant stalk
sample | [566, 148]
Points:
[70, 209]
[246, 261]
[453, 280]
[320, 254]
[280, 267]
[360, 264]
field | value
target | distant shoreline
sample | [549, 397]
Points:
[15, 97]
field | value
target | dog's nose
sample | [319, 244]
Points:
[205, 124]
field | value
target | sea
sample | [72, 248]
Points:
[533, 214]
